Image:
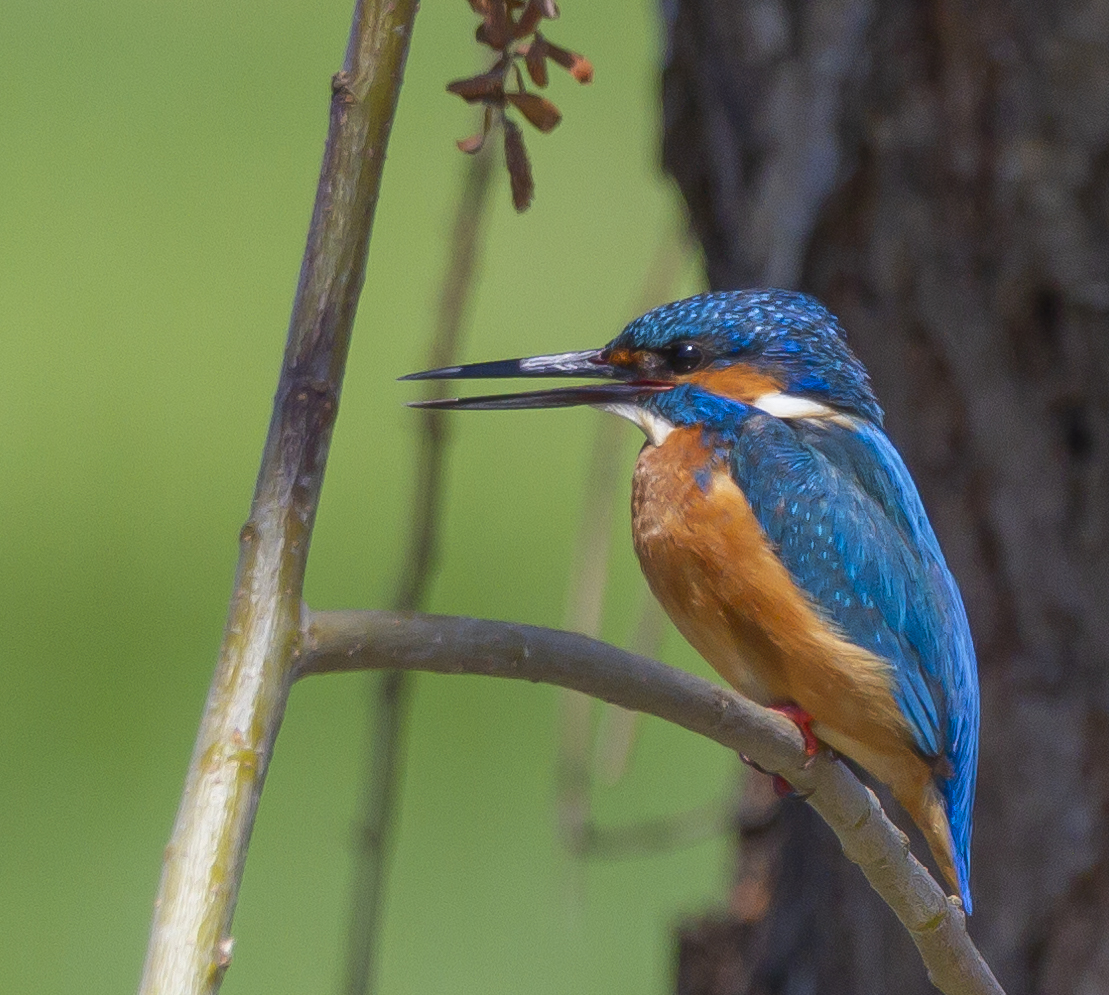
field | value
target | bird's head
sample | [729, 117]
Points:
[777, 350]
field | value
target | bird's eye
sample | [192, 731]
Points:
[683, 357]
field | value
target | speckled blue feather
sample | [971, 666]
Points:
[838, 503]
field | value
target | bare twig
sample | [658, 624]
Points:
[584, 611]
[593, 544]
[582, 835]
[616, 733]
[190, 942]
[658, 835]
[357, 640]
[392, 690]
[454, 302]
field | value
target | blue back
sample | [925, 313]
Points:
[839, 504]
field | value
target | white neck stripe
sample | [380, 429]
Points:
[784, 406]
[791, 406]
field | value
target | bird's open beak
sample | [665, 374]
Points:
[590, 363]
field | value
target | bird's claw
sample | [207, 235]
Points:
[751, 763]
[782, 787]
[803, 720]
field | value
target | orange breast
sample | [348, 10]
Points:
[709, 563]
[701, 555]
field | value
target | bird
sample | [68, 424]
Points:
[783, 535]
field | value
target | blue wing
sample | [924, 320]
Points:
[839, 504]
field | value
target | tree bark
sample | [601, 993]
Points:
[938, 174]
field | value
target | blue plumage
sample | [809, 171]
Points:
[785, 408]
[837, 501]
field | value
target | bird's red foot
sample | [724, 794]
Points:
[803, 720]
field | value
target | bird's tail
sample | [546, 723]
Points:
[927, 809]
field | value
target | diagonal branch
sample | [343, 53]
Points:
[391, 694]
[372, 640]
[190, 941]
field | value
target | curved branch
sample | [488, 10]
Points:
[372, 640]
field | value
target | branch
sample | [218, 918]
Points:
[361, 640]
[390, 696]
[190, 941]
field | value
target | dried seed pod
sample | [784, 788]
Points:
[535, 60]
[483, 87]
[471, 145]
[519, 167]
[577, 65]
[529, 20]
[539, 111]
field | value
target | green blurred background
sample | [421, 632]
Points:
[158, 169]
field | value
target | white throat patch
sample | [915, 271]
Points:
[655, 427]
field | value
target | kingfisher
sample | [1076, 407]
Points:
[783, 535]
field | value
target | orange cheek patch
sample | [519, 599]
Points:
[738, 382]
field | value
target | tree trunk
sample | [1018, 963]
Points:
[938, 174]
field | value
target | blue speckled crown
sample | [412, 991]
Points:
[790, 335]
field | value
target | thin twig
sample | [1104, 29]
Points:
[663, 834]
[190, 943]
[585, 608]
[392, 691]
[454, 303]
[582, 835]
[616, 734]
[357, 640]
